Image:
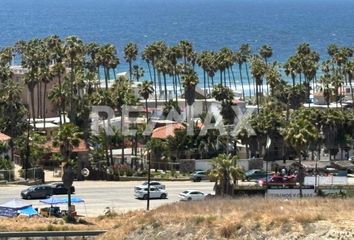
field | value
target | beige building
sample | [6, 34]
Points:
[51, 109]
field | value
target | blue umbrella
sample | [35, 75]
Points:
[61, 200]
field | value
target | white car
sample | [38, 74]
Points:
[154, 184]
[141, 192]
[192, 195]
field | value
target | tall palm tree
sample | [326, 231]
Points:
[74, 54]
[245, 50]
[190, 80]
[266, 52]
[291, 68]
[299, 133]
[350, 71]
[240, 60]
[130, 54]
[67, 138]
[145, 90]
[224, 170]
[186, 50]
[138, 72]
[258, 70]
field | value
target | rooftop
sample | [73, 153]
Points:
[4, 137]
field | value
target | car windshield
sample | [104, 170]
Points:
[185, 192]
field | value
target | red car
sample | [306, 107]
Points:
[279, 180]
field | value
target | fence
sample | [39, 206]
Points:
[7, 175]
[51, 234]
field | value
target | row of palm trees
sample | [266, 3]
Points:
[79, 66]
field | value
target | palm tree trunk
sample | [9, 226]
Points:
[243, 89]
[44, 106]
[130, 70]
[257, 100]
[165, 85]
[205, 93]
[300, 175]
[32, 106]
[351, 88]
[234, 79]
[61, 102]
[249, 81]
[147, 112]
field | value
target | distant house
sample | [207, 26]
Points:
[166, 131]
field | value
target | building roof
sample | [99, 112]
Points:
[81, 148]
[166, 131]
[4, 137]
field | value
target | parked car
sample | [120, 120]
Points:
[39, 191]
[198, 176]
[141, 192]
[155, 184]
[59, 188]
[255, 174]
[279, 180]
[192, 195]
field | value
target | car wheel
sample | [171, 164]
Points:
[145, 197]
[163, 196]
[189, 199]
[28, 197]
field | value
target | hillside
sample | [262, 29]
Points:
[249, 218]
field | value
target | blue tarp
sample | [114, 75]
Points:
[61, 200]
[15, 204]
[28, 211]
[14, 207]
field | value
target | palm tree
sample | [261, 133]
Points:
[258, 69]
[138, 72]
[186, 50]
[190, 80]
[240, 59]
[266, 52]
[151, 54]
[245, 50]
[299, 133]
[58, 71]
[130, 54]
[273, 78]
[74, 54]
[145, 90]
[67, 138]
[225, 96]
[349, 68]
[224, 170]
[291, 68]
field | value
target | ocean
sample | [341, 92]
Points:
[208, 24]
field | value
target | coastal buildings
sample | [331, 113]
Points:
[40, 94]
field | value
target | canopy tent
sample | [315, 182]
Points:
[61, 200]
[15, 204]
[14, 207]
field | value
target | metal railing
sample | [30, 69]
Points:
[51, 234]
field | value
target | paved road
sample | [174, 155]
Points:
[118, 195]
